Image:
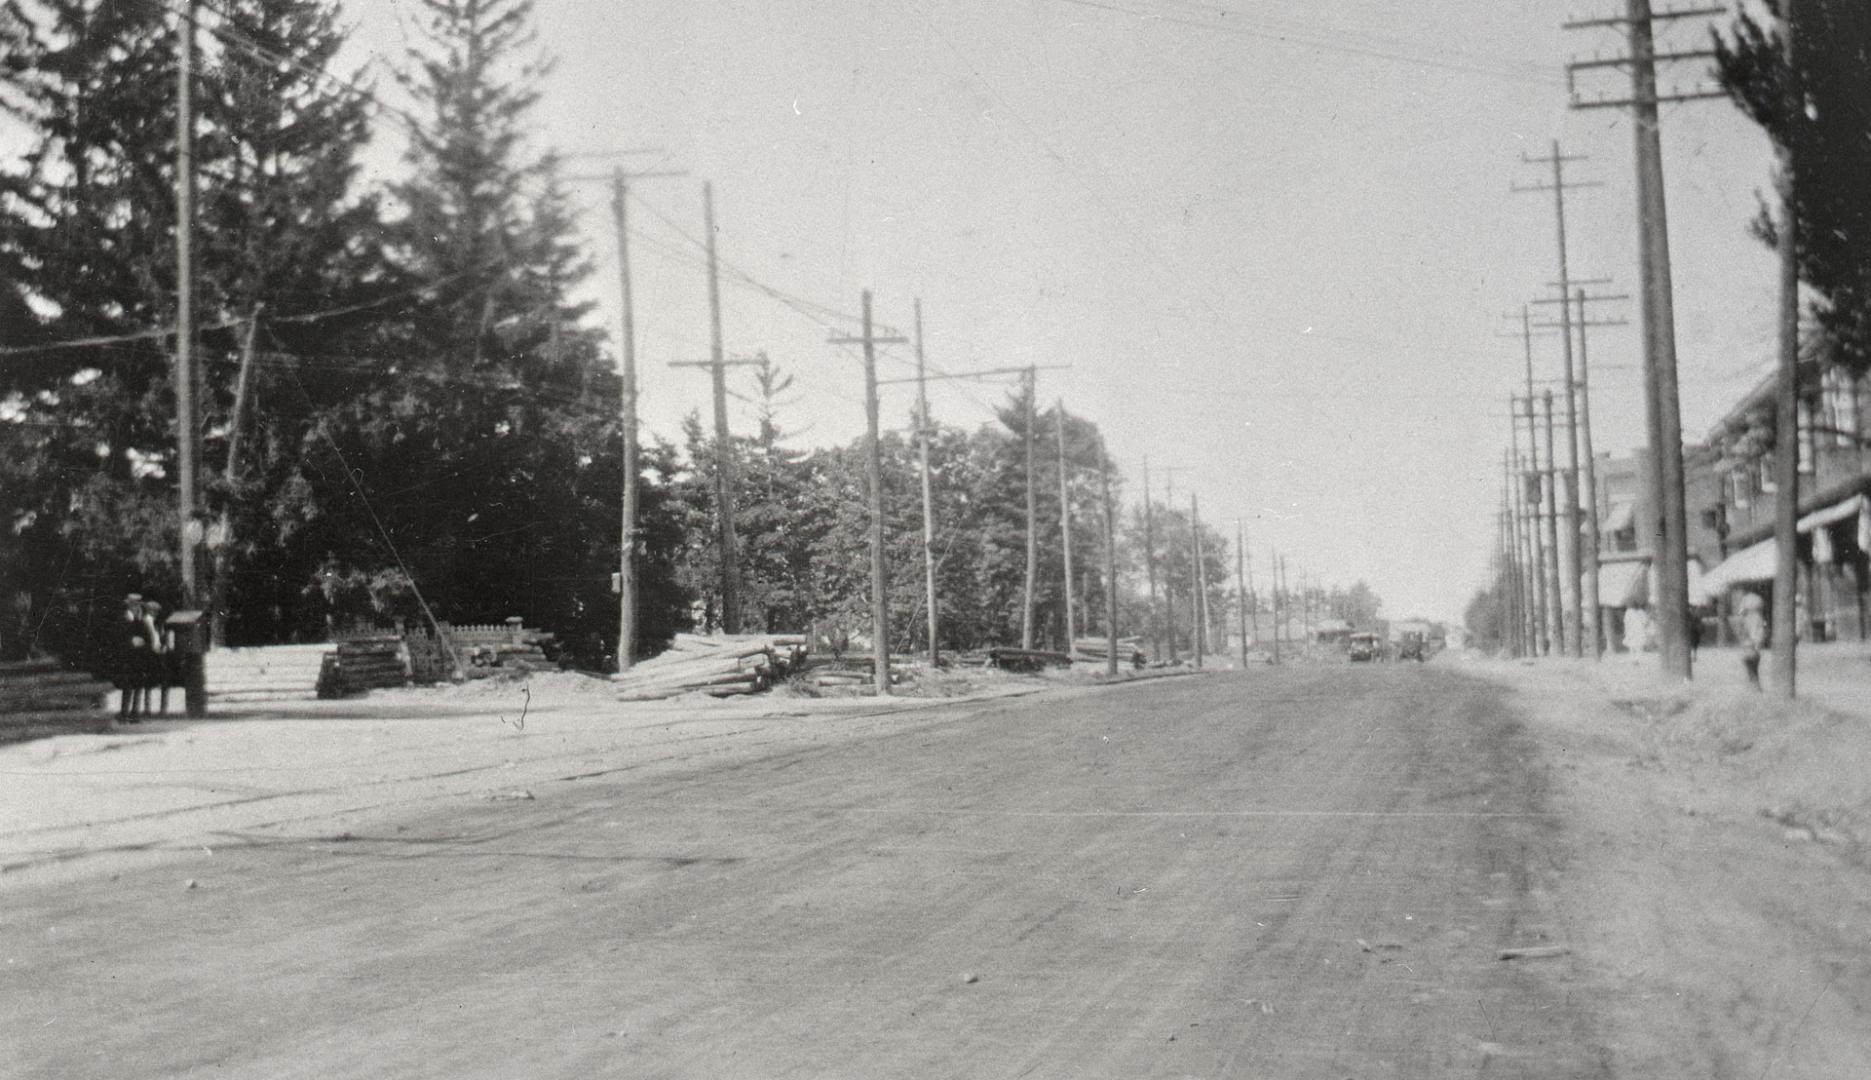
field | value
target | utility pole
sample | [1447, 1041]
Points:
[1029, 390]
[717, 366]
[1532, 494]
[1169, 587]
[1554, 586]
[925, 423]
[1240, 584]
[1110, 560]
[1575, 619]
[1198, 608]
[880, 610]
[187, 380]
[922, 453]
[628, 412]
[1149, 565]
[1065, 531]
[1785, 632]
[1273, 569]
[187, 364]
[1662, 402]
[223, 544]
[1593, 602]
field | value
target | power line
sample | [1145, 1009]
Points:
[1529, 75]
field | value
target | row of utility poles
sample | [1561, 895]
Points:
[1544, 552]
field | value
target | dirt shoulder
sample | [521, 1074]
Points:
[1721, 884]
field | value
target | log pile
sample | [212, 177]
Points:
[509, 658]
[1096, 650]
[1009, 659]
[717, 666]
[41, 697]
[363, 664]
[853, 671]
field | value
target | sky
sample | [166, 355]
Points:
[1272, 243]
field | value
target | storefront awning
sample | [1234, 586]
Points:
[1837, 512]
[1750, 565]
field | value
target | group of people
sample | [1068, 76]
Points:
[146, 660]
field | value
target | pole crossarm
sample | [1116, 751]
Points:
[1623, 103]
[1626, 61]
[1600, 322]
[1587, 299]
[982, 374]
[1655, 16]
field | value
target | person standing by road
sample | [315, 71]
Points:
[1754, 636]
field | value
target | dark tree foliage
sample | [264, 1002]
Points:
[1819, 110]
[87, 234]
[477, 452]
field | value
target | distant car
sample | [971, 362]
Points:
[1363, 647]
[1412, 646]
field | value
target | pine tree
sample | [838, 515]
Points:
[87, 236]
[1821, 113]
[486, 440]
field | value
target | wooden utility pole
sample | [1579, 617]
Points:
[1785, 629]
[1569, 550]
[1169, 585]
[1029, 390]
[1662, 403]
[1198, 609]
[1554, 587]
[1240, 584]
[1110, 559]
[223, 544]
[1590, 532]
[187, 379]
[1532, 490]
[187, 364]
[724, 449]
[628, 412]
[922, 454]
[1065, 529]
[925, 423]
[1594, 527]
[1149, 565]
[880, 608]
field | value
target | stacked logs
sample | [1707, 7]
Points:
[363, 664]
[717, 666]
[41, 697]
[1096, 650]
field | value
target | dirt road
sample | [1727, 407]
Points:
[1296, 873]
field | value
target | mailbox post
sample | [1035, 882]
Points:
[189, 631]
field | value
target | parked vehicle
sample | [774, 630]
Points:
[1363, 646]
[1411, 645]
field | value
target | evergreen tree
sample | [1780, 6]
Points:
[486, 440]
[1821, 114]
[87, 234]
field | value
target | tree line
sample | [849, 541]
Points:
[430, 426]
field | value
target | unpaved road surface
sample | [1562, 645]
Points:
[1283, 874]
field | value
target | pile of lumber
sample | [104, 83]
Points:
[717, 666]
[1009, 659]
[363, 664]
[1097, 650]
[507, 658]
[266, 673]
[849, 671]
[41, 697]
